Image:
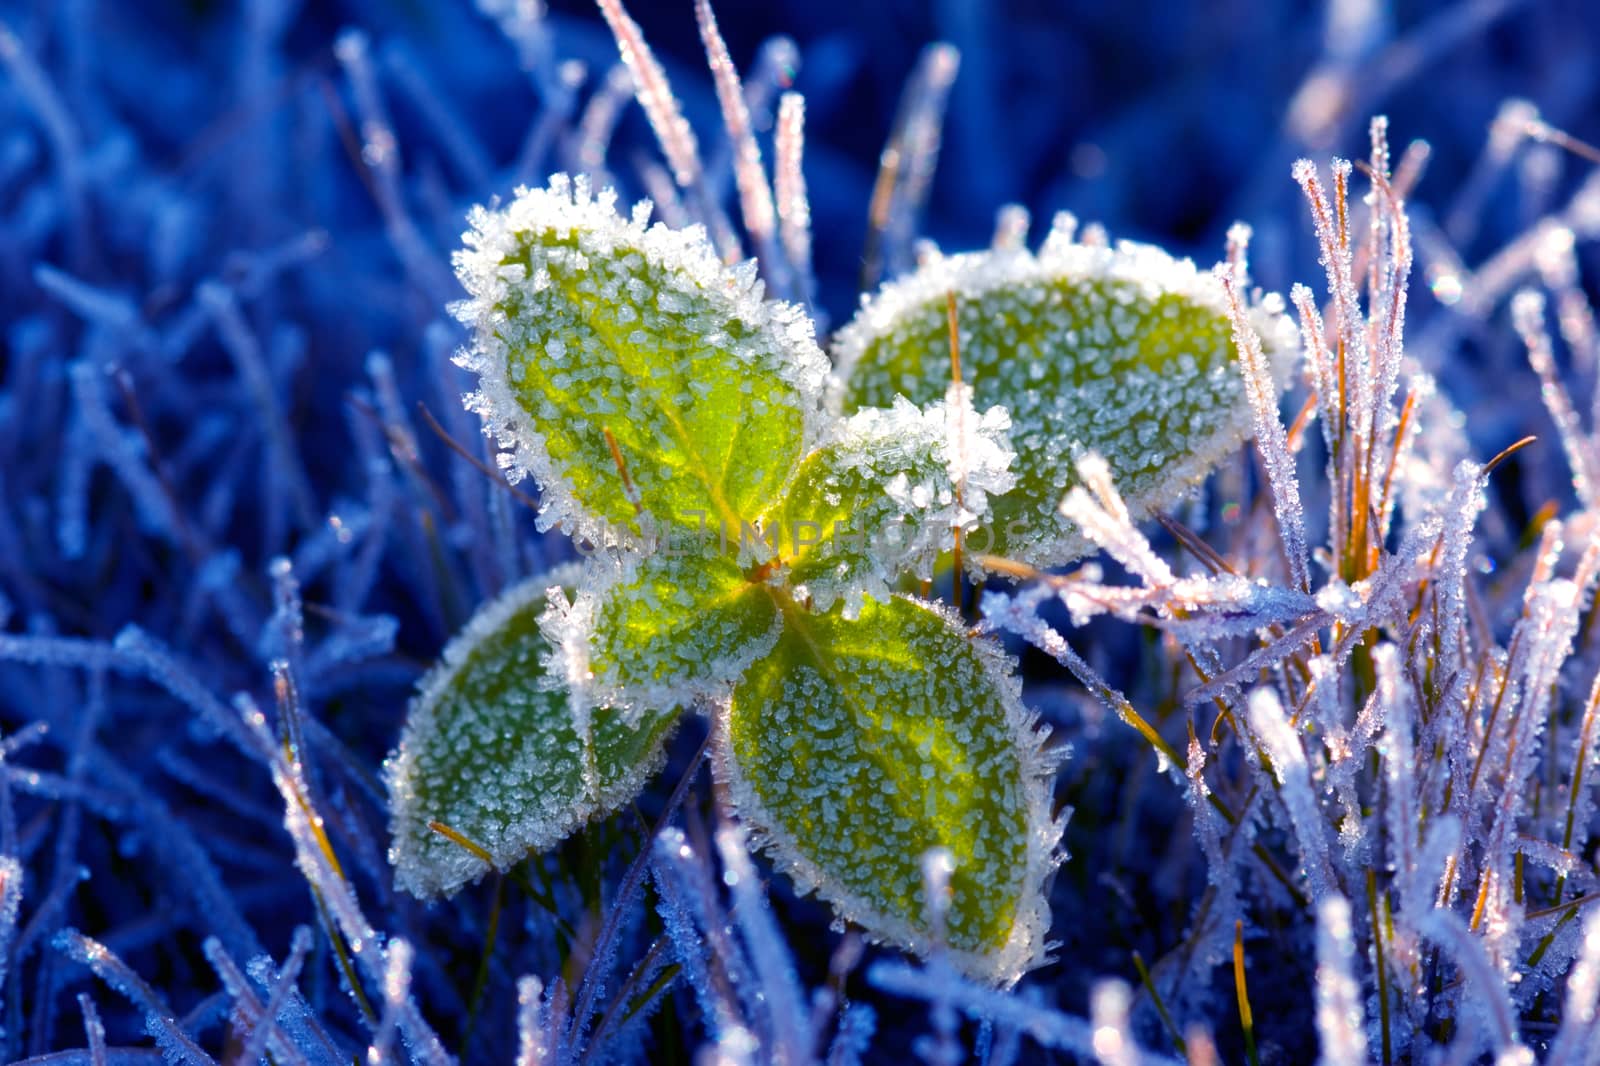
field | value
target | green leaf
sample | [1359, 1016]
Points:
[585, 322]
[493, 751]
[1123, 351]
[884, 495]
[663, 630]
[858, 746]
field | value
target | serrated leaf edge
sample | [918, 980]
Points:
[530, 836]
[1026, 947]
[564, 205]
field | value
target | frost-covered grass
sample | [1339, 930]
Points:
[1334, 720]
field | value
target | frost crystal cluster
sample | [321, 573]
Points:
[1123, 351]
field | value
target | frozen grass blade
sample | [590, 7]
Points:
[655, 96]
[248, 1015]
[66, 139]
[792, 1038]
[278, 996]
[1583, 455]
[905, 168]
[533, 1048]
[1048, 1028]
[592, 139]
[284, 463]
[793, 205]
[1339, 1022]
[336, 897]
[95, 1031]
[1575, 1041]
[11, 876]
[1270, 436]
[160, 1021]
[380, 156]
[755, 194]
[1492, 1017]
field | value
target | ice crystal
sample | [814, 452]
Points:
[1125, 351]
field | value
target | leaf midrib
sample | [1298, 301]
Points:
[794, 616]
[698, 466]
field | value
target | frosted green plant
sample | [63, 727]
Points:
[1123, 351]
[743, 543]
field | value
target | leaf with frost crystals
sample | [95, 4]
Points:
[501, 758]
[584, 322]
[884, 495]
[1124, 351]
[663, 630]
[857, 746]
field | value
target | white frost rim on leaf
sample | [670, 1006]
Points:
[573, 633]
[974, 453]
[1179, 481]
[408, 827]
[1152, 271]
[1025, 948]
[684, 256]
[972, 275]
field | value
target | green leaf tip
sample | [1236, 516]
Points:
[858, 746]
[585, 322]
[1125, 351]
[497, 753]
[663, 630]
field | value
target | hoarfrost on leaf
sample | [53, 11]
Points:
[500, 758]
[663, 630]
[848, 754]
[886, 493]
[587, 323]
[1125, 351]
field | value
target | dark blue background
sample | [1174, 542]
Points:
[1164, 121]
